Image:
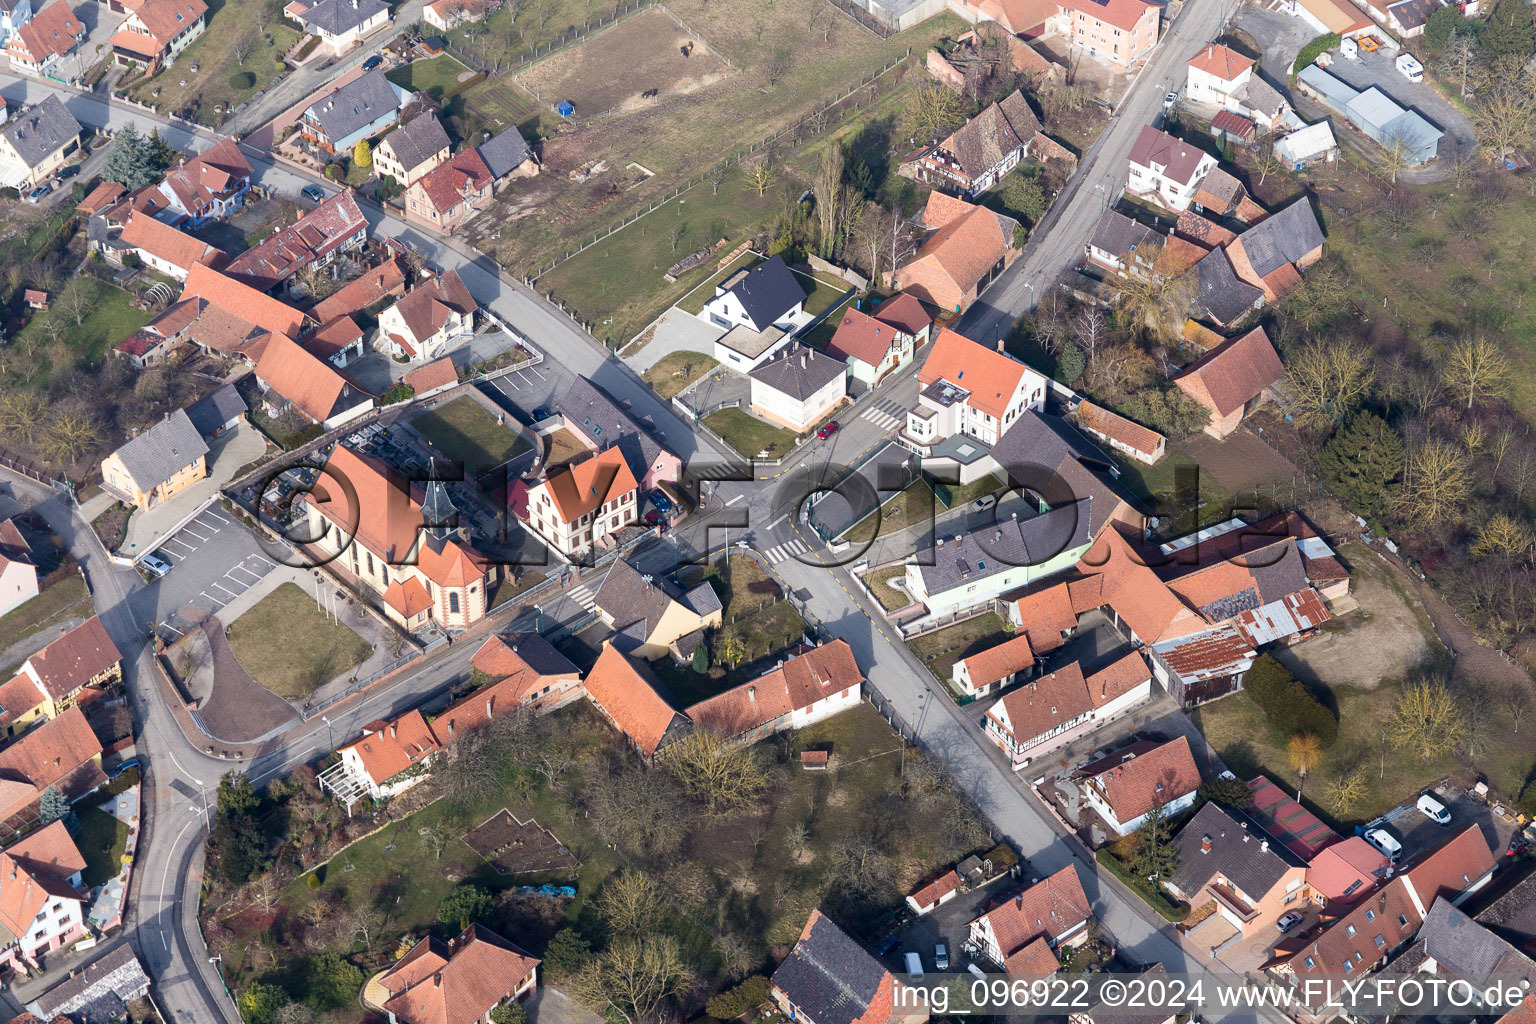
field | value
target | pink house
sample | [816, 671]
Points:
[601, 422]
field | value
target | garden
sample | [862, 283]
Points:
[468, 436]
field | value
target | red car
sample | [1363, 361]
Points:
[827, 430]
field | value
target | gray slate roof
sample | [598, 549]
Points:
[1280, 238]
[799, 372]
[343, 111]
[1118, 234]
[339, 17]
[602, 419]
[1236, 853]
[1048, 455]
[1466, 949]
[417, 141]
[539, 654]
[1222, 295]
[981, 554]
[768, 291]
[98, 993]
[828, 976]
[504, 153]
[155, 455]
[41, 130]
[215, 409]
[1260, 95]
[703, 600]
[630, 599]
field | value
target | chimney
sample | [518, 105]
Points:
[1205, 843]
[752, 694]
[999, 344]
[437, 980]
[1264, 846]
[487, 707]
[391, 730]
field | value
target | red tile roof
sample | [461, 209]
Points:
[373, 286]
[18, 696]
[427, 307]
[34, 871]
[326, 229]
[1129, 586]
[1151, 779]
[1116, 427]
[1044, 615]
[1122, 14]
[813, 675]
[861, 336]
[935, 890]
[1050, 907]
[583, 487]
[627, 691]
[439, 373]
[1347, 871]
[1045, 702]
[990, 376]
[445, 184]
[332, 338]
[1007, 658]
[1224, 63]
[1227, 377]
[1178, 255]
[408, 596]
[243, 301]
[57, 753]
[904, 311]
[970, 240]
[1118, 678]
[455, 983]
[389, 748]
[74, 659]
[1207, 232]
[161, 240]
[1453, 868]
[1301, 831]
[54, 30]
[1035, 958]
[215, 172]
[309, 382]
[167, 19]
[378, 509]
[101, 197]
[1390, 917]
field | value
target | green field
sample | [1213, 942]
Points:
[221, 81]
[102, 841]
[47, 607]
[290, 646]
[468, 436]
[675, 371]
[433, 77]
[107, 316]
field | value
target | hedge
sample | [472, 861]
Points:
[749, 994]
[1288, 705]
[1313, 50]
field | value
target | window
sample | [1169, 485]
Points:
[453, 606]
[1370, 915]
[1348, 966]
[370, 563]
[1310, 963]
[1402, 921]
[1380, 942]
[1349, 930]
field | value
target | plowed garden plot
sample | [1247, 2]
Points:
[614, 70]
[515, 847]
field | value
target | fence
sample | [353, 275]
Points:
[528, 58]
[814, 124]
[933, 623]
[361, 684]
[33, 471]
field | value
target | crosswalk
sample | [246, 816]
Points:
[582, 595]
[886, 414]
[789, 549]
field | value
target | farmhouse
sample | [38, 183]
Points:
[628, 694]
[828, 978]
[294, 378]
[451, 192]
[1020, 935]
[981, 152]
[51, 681]
[816, 683]
[163, 248]
[315, 240]
[969, 246]
[1230, 381]
[63, 752]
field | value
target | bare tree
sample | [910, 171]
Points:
[435, 838]
[718, 175]
[1516, 701]
[636, 977]
[761, 176]
[724, 774]
[1328, 380]
[366, 923]
[828, 184]
[552, 762]
[1476, 368]
[265, 893]
[630, 903]
[1091, 329]
[931, 113]
[778, 65]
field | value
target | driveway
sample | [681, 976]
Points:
[676, 331]
[1280, 36]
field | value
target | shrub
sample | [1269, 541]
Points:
[1232, 792]
[464, 903]
[331, 981]
[509, 1013]
[1287, 703]
[241, 80]
[9, 193]
[750, 993]
[1313, 50]
[397, 392]
[312, 880]
[278, 65]
[132, 261]
[333, 171]
[567, 954]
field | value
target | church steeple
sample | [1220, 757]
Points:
[438, 513]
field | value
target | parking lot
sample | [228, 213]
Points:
[1419, 835]
[523, 391]
[213, 560]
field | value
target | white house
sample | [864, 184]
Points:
[340, 24]
[41, 904]
[13, 15]
[994, 668]
[1167, 170]
[798, 389]
[815, 684]
[1050, 709]
[1216, 75]
[766, 295]
[966, 388]
[390, 758]
[577, 507]
[967, 570]
[875, 344]
[18, 583]
[430, 319]
[936, 893]
[1020, 935]
[1125, 786]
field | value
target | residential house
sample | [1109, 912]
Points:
[598, 421]
[46, 46]
[391, 757]
[220, 316]
[1346, 872]
[1117, 1013]
[18, 585]
[430, 378]
[13, 15]
[363, 293]
[99, 992]
[1226, 859]
[460, 981]
[1045, 456]
[1125, 786]
[1216, 75]
[315, 240]
[1407, 18]
[651, 619]
[432, 318]
[292, 378]
[1453, 947]
[972, 569]
[798, 389]
[1020, 935]
[1119, 32]
[163, 248]
[871, 347]
[99, 198]
[813, 684]
[1051, 709]
[38, 141]
[451, 192]
[1271, 255]
[447, 15]
[968, 247]
[339, 24]
[1125, 436]
[1231, 381]
[83, 657]
[1332, 16]
[218, 412]
[995, 668]
[1123, 245]
[765, 296]
[1223, 299]
[41, 901]
[980, 153]
[157, 464]
[1044, 617]
[1308, 147]
[525, 671]
[933, 895]
[63, 752]
[576, 508]
[154, 33]
[968, 389]
[338, 342]
[210, 186]
[828, 978]
[508, 156]
[411, 150]
[1166, 170]
[404, 548]
[628, 694]
[350, 113]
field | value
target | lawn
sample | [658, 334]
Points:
[694, 301]
[1160, 902]
[822, 291]
[290, 646]
[221, 82]
[940, 649]
[676, 371]
[821, 335]
[42, 611]
[879, 584]
[749, 435]
[102, 840]
[433, 77]
[469, 436]
[907, 508]
[1167, 489]
[965, 493]
[107, 316]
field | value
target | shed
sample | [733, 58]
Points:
[1311, 144]
[566, 108]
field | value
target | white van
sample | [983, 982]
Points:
[914, 965]
[977, 971]
[1434, 810]
[1383, 841]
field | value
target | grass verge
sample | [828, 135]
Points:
[291, 647]
[749, 435]
[675, 371]
[42, 611]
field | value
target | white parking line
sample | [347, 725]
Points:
[173, 629]
[261, 558]
[211, 512]
[535, 371]
[179, 543]
[248, 572]
[189, 530]
[231, 593]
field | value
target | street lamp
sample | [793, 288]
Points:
[538, 618]
[329, 741]
[1034, 299]
[1103, 198]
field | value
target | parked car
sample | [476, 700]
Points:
[373, 62]
[1383, 841]
[887, 944]
[661, 501]
[1288, 921]
[118, 769]
[914, 965]
[653, 517]
[69, 171]
[1434, 810]
[1170, 101]
[540, 414]
[36, 195]
[155, 564]
[984, 502]
[828, 429]
[940, 957]
[314, 193]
